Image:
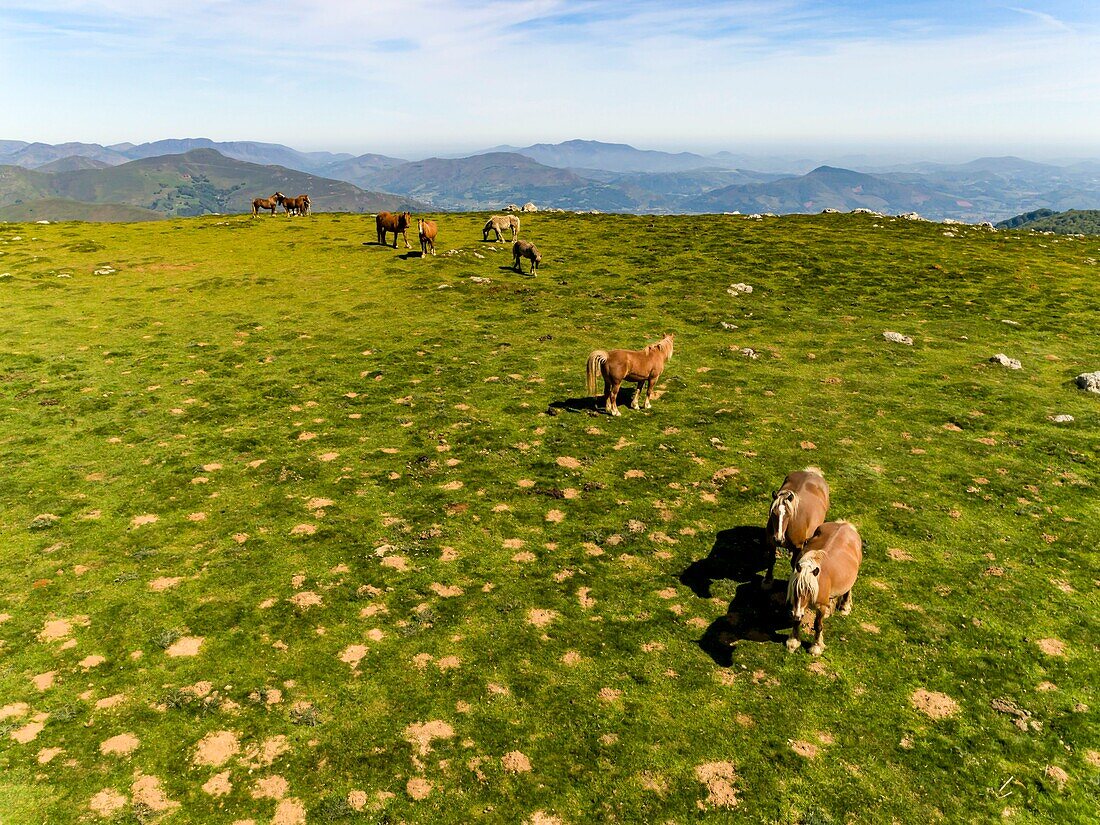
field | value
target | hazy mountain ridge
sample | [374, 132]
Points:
[585, 175]
[197, 182]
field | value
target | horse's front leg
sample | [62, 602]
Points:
[769, 577]
[405, 235]
[819, 631]
[635, 402]
[649, 392]
[794, 641]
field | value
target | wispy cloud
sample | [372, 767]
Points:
[376, 75]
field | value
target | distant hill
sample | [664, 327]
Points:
[72, 163]
[62, 209]
[490, 180]
[1070, 222]
[33, 155]
[246, 150]
[614, 157]
[194, 183]
[823, 188]
[359, 170]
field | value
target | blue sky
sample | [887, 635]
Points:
[921, 78]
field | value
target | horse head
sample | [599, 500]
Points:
[278, 197]
[782, 509]
[671, 338]
[802, 589]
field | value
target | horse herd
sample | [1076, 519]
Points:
[293, 206]
[398, 223]
[825, 556]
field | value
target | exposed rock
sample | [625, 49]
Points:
[728, 325]
[987, 226]
[1062, 419]
[865, 211]
[529, 207]
[1005, 361]
[511, 208]
[897, 338]
[1089, 381]
[828, 210]
[911, 216]
[755, 217]
[749, 352]
[739, 289]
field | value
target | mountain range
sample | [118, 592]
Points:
[196, 175]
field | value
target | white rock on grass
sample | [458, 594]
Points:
[897, 338]
[739, 289]
[1062, 419]
[1005, 361]
[728, 325]
[1089, 381]
[749, 352]
[911, 216]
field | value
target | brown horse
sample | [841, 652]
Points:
[266, 203]
[824, 569]
[525, 249]
[294, 206]
[644, 366]
[426, 229]
[389, 222]
[798, 508]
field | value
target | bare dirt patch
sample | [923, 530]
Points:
[568, 462]
[609, 695]
[55, 630]
[218, 784]
[418, 788]
[121, 745]
[216, 748]
[555, 516]
[934, 704]
[303, 529]
[897, 554]
[1057, 775]
[305, 599]
[141, 521]
[164, 583]
[805, 749]
[516, 762]
[185, 646]
[107, 803]
[541, 618]
[421, 734]
[14, 710]
[353, 654]
[28, 733]
[1052, 647]
[270, 787]
[289, 811]
[398, 563]
[147, 791]
[718, 777]
[446, 591]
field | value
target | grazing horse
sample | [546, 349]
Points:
[525, 249]
[826, 568]
[644, 366]
[305, 205]
[294, 206]
[266, 203]
[389, 222]
[426, 229]
[798, 508]
[499, 222]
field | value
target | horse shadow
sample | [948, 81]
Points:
[593, 403]
[411, 254]
[755, 614]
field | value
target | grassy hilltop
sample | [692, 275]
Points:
[303, 528]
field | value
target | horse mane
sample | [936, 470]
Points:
[661, 345]
[814, 470]
[804, 583]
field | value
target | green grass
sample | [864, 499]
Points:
[416, 401]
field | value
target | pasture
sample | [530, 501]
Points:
[297, 527]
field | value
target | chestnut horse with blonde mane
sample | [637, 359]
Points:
[798, 508]
[644, 366]
[824, 569]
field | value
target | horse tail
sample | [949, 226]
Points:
[594, 367]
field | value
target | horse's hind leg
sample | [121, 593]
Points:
[844, 604]
[614, 397]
